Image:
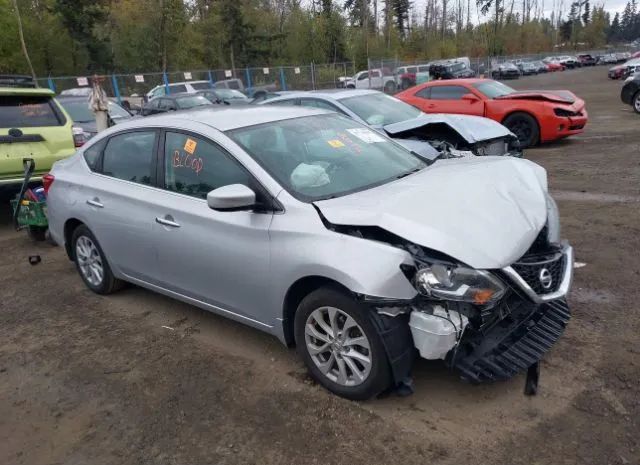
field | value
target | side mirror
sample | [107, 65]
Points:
[470, 97]
[231, 197]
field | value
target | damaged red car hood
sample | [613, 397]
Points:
[560, 96]
[484, 211]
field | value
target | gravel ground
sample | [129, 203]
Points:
[101, 380]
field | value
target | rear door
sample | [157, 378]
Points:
[118, 200]
[448, 99]
[32, 126]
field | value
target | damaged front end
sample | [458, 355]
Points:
[487, 325]
[457, 136]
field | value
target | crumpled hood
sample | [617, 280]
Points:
[561, 96]
[472, 128]
[485, 212]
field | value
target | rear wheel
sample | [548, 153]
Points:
[636, 102]
[390, 87]
[91, 263]
[525, 127]
[340, 346]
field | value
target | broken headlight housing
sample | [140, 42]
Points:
[459, 283]
[553, 221]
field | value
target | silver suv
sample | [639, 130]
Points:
[326, 234]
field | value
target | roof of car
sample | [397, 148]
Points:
[336, 94]
[26, 91]
[452, 82]
[226, 119]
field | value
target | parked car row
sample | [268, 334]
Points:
[625, 69]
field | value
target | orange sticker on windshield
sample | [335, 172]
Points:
[335, 143]
[190, 146]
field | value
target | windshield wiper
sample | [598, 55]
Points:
[404, 175]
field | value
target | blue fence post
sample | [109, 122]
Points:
[166, 83]
[247, 73]
[116, 91]
[52, 86]
[283, 81]
[212, 80]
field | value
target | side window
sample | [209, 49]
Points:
[315, 103]
[412, 69]
[176, 88]
[92, 154]
[363, 76]
[129, 156]
[194, 166]
[158, 92]
[423, 69]
[424, 93]
[375, 74]
[448, 92]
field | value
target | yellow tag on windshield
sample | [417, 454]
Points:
[335, 143]
[190, 146]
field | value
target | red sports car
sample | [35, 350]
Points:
[554, 66]
[533, 115]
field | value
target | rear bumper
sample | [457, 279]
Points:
[18, 180]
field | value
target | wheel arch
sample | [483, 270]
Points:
[69, 227]
[294, 295]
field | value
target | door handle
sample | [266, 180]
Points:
[95, 202]
[167, 221]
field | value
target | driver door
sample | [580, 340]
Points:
[217, 257]
[448, 99]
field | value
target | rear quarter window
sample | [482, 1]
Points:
[29, 111]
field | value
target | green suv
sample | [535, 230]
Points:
[32, 125]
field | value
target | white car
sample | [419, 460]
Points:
[373, 79]
[188, 87]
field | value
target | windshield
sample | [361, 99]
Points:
[380, 109]
[230, 94]
[192, 101]
[325, 156]
[80, 112]
[493, 89]
[18, 111]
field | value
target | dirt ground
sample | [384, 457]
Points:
[137, 378]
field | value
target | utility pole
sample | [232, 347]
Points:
[22, 42]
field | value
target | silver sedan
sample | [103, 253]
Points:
[327, 234]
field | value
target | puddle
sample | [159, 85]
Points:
[593, 197]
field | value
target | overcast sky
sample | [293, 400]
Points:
[612, 6]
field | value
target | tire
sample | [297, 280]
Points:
[390, 87]
[37, 233]
[86, 249]
[336, 353]
[525, 127]
[635, 102]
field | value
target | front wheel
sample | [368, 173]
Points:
[340, 346]
[636, 102]
[525, 127]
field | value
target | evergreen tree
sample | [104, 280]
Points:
[586, 16]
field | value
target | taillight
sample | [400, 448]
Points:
[47, 181]
[78, 136]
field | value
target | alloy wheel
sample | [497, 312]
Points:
[636, 103]
[89, 261]
[338, 346]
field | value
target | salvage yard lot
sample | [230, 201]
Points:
[137, 378]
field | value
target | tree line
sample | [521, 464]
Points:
[70, 37]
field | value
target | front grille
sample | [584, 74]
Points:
[513, 345]
[530, 268]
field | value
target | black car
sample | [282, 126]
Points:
[84, 121]
[631, 92]
[174, 102]
[227, 96]
[450, 71]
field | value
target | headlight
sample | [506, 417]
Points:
[460, 284]
[553, 221]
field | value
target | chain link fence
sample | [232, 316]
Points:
[381, 73]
